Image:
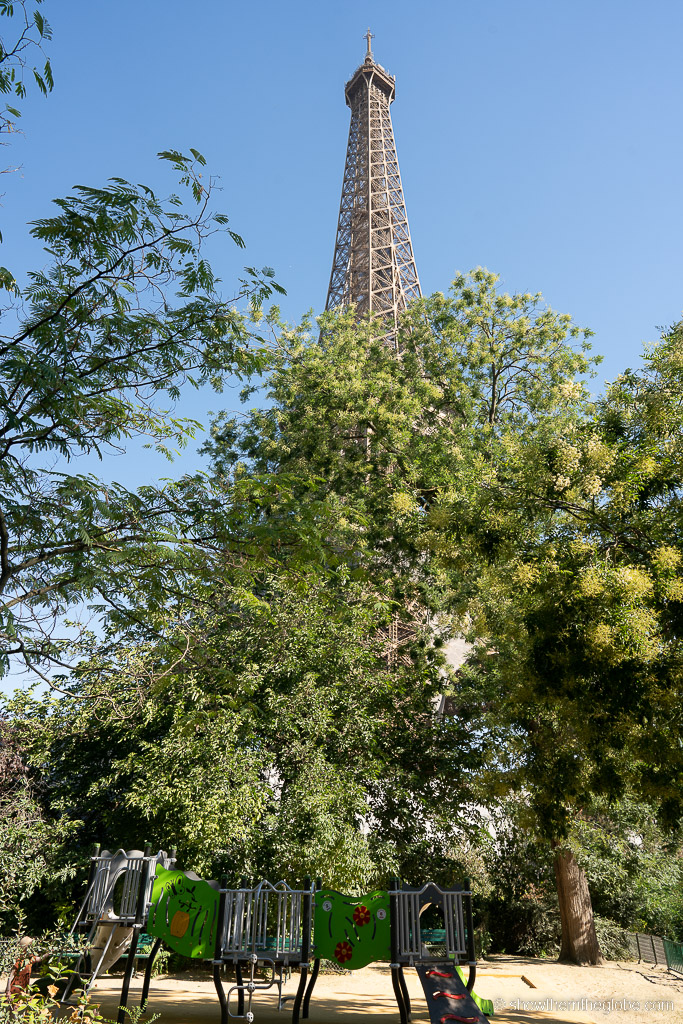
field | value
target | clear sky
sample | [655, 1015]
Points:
[539, 138]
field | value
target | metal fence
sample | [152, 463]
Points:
[652, 949]
[674, 955]
[267, 920]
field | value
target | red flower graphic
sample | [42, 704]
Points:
[361, 915]
[343, 951]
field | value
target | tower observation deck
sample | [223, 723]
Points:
[373, 267]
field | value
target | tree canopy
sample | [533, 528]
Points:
[95, 349]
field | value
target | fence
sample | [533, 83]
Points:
[674, 955]
[652, 949]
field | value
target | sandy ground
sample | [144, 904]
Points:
[522, 991]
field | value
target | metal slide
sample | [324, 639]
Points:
[447, 997]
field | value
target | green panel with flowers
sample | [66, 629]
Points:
[352, 930]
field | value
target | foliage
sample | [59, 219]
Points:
[265, 737]
[397, 440]
[577, 616]
[37, 1002]
[264, 698]
[633, 870]
[613, 939]
[272, 693]
[29, 35]
[633, 867]
[520, 911]
[392, 434]
[27, 835]
[95, 343]
[161, 960]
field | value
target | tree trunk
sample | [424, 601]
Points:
[579, 941]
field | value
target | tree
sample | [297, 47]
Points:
[394, 438]
[28, 836]
[424, 446]
[578, 620]
[258, 730]
[126, 312]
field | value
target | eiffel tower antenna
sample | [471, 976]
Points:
[373, 266]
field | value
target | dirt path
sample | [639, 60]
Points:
[523, 990]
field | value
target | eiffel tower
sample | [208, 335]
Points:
[373, 267]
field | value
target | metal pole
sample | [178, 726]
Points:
[218, 950]
[143, 880]
[307, 929]
[316, 967]
[467, 898]
[394, 915]
[148, 972]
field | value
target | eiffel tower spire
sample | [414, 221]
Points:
[373, 265]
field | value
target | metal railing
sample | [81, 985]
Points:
[267, 920]
[106, 870]
[269, 925]
[674, 955]
[408, 905]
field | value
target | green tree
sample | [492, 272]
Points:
[28, 836]
[266, 736]
[577, 614]
[633, 864]
[435, 449]
[125, 313]
[396, 439]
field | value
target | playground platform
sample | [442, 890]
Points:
[367, 993]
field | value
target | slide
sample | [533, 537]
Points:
[447, 996]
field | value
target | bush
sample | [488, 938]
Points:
[612, 939]
[37, 1003]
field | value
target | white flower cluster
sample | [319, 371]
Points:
[591, 485]
[570, 390]
[570, 455]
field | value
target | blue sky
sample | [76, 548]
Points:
[539, 138]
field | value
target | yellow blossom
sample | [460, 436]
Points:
[525, 574]
[403, 503]
[666, 558]
[591, 582]
[673, 589]
[591, 485]
[633, 583]
[601, 635]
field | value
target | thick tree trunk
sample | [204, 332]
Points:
[579, 941]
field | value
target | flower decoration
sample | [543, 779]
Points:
[343, 951]
[361, 916]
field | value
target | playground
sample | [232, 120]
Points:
[265, 943]
[367, 993]
[264, 931]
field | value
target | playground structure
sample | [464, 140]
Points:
[265, 930]
[112, 913]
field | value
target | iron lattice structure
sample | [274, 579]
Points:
[373, 267]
